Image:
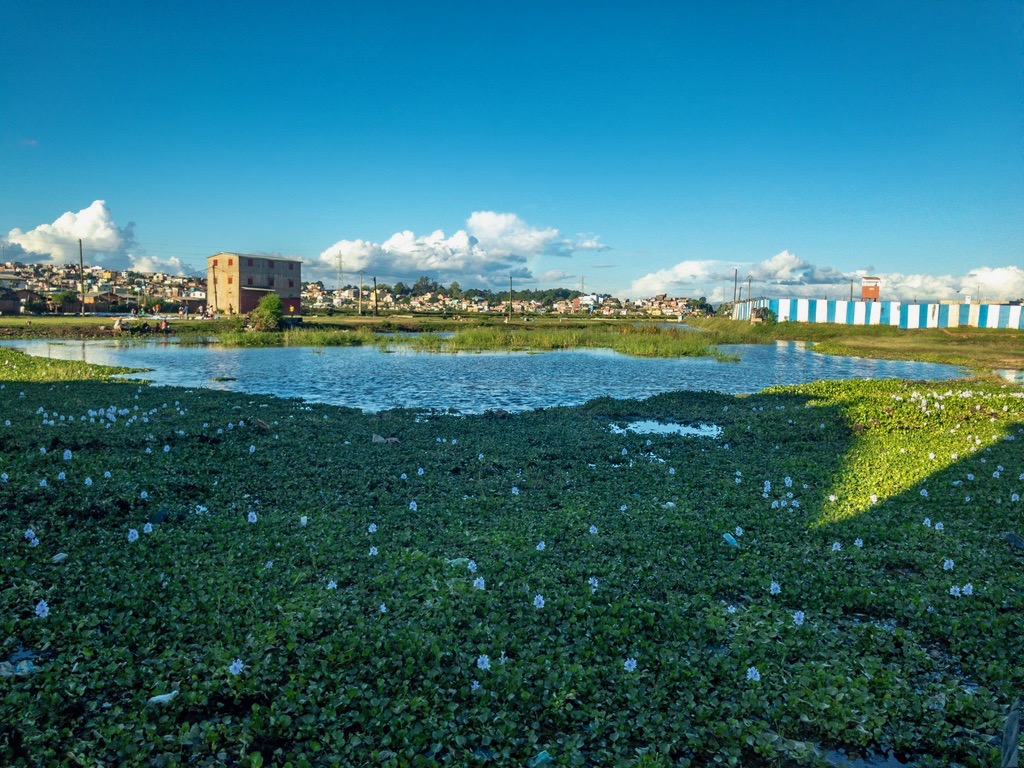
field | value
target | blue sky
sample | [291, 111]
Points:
[641, 147]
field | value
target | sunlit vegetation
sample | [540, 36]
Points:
[207, 578]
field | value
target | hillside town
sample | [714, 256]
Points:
[60, 288]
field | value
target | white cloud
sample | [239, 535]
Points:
[554, 276]
[490, 248]
[104, 243]
[687, 278]
[786, 275]
[58, 242]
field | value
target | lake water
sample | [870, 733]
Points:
[367, 378]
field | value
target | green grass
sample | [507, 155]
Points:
[636, 340]
[885, 655]
[16, 366]
[980, 349]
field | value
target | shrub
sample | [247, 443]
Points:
[268, 314]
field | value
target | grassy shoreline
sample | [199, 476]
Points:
[264, 512]
[981, 350]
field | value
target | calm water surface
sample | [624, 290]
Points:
[367, 378]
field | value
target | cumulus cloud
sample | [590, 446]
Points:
[687, 278]
[104, 243]
[491, 247]
[786, 275]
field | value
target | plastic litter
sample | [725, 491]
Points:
[164, 698]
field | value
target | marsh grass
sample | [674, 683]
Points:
[297, 337]
[980, 349]
[633, 340]
[15, 365]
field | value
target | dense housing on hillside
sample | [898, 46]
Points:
[236, 282]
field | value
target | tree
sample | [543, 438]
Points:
[268, 314]
[424, 285]
[63, 299]
[455, 290]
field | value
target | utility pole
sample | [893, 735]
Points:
[374, 295]
[735, 284]
[851, 290]
[583, 284]
[81, 276]
[341, 271]
[360, 293]
[749, 294]
[510, 298]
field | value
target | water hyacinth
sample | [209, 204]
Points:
[252, 516]
[303, 520]
[798, 618]
[947, 564]
[753, 675]
[383, 608]
[731, 609]
[927, 523]
[939, 526]
[474, 685]
[739, 531]
[147, 528]
[538, 601]
[836, 546]
[30, 534]
[592, 581]
[593, 530]
[373, 551]
[67, 454]
[774, 588]
[88, 482]
[133, 535]
[541, 547]
[471, 566]
[332, 584]
[482, 662]
[371, 528]
[236, 667]
[859, 543]
[413, 506]
[420, 471]
[42, 609]
[630, 665]
[478, 583]
[967, 589]
[515, 490]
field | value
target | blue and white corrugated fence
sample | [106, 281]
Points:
[888, 313]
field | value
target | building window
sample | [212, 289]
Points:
[291, 265]
[270, 264]
[231, 262]
[231, 280]
[248, 281]
[215, 262]
[250, 262]
[291, 283]
[270, 282]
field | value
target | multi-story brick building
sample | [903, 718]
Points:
[236, 282]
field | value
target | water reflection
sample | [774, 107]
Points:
[366, 378]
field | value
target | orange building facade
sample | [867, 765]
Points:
[235, 282]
